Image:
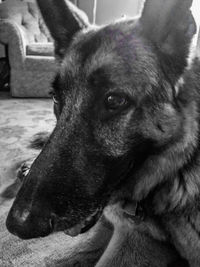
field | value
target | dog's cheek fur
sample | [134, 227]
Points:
[159, 124]
[112, 136]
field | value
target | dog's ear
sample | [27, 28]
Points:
[169, 24]
[64, 20]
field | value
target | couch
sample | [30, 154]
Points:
[30, 48]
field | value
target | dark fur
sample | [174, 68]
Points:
[145, 148]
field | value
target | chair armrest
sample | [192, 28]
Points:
[13, 36]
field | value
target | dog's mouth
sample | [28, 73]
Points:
[84, 225]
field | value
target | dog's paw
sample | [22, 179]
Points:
[24, 170]
[11, 191]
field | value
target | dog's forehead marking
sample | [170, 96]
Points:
[116, 49]
[99, 40]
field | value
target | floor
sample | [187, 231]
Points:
[20, 119]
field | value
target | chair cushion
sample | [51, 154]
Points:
[40, 49]
[28, 17]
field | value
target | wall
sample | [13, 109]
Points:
[196, 13]
[109, 10]
[87, 6]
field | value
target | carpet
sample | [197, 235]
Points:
[20, 119]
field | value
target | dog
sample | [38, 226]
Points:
[125, 148]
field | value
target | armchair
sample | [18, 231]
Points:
[30, 48]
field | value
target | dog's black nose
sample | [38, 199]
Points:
[27, 225]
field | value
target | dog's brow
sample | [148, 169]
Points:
[62, 81]
[100, 77]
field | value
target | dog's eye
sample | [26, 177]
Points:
[115, 102]
[54, 97]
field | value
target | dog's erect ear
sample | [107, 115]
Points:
[169, 24]
[64, 20]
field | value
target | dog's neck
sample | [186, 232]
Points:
[167, 188]
[168, 178]
[180, 184]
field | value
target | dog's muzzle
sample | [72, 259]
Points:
[27, 226]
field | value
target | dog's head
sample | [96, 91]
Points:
[116, 103]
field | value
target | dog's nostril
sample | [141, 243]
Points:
[52, 222]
